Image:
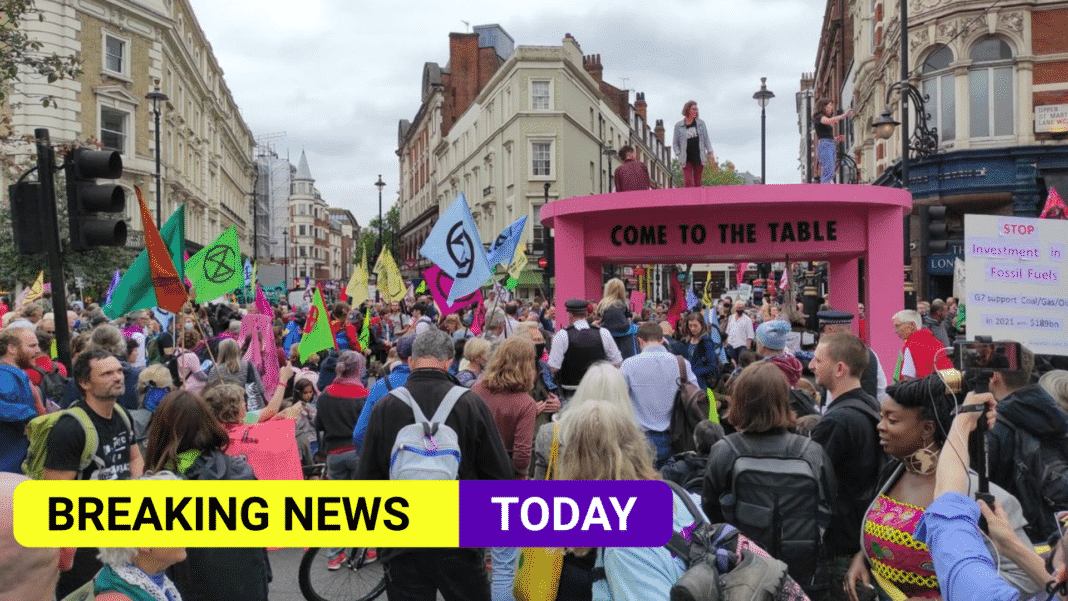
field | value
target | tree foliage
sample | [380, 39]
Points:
[369, 237]
[95, 266]
[21, 55]
[724, 176]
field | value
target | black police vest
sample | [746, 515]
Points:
[584, 348]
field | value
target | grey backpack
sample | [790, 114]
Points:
[427, 449]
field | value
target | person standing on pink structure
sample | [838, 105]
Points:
[692, 146]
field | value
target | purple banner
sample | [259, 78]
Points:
[540, 513]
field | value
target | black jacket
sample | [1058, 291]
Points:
[482, 453]
[336, 417]
[852, 444]
[221, 574]
[1033, 410]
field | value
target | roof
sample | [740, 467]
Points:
[302, 168]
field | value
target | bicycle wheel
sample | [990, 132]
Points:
[356, 579]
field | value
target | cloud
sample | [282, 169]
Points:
[338, 75]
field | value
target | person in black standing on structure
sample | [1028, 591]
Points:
[579, 346]
[691, 142]
[825, 138]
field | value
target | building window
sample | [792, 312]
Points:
[301, 230]
[541, 95]
[115, 54]
[990, 88]
[938, 86]
[541, 159]
[113, 128]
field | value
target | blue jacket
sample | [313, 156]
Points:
[397, 377]
[16, 409]
[704, 361]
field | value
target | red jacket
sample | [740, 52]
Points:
[928, 353]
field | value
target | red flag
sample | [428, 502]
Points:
[170, 293]
[1055, 208]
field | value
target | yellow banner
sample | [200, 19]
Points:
[390, 282]
[263, 513]
[518, 264]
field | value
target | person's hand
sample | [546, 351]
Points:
[552, 404]
[857, 571]
[1001, 531]
[293, 412]
[286, 372]
[849, 113]
[839, 138]
[968, 419]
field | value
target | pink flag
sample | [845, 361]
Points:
[262, 352]
[1055, 208]
[440, 284]
[785, 281]
[740, 269]
[262, 305]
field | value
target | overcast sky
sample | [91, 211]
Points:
[337, 75]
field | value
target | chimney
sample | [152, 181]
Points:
[592, 64]
[639, 106]
[659, 130]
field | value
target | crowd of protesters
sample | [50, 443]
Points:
[595, 399]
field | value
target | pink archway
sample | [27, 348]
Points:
[839, 224]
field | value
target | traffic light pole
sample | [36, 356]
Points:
[50, 229]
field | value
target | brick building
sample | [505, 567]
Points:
[996, 78]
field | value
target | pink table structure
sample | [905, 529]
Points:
[839, 224]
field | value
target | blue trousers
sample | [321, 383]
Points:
[662, 442]
[825, 150]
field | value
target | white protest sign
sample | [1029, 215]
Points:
[1017, 274]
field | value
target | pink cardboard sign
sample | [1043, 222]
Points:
[270, 448]
[637, 301]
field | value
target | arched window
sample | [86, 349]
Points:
[937, 85]
[990, 87]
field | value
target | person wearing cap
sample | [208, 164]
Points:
[771, 347]
[578, 346]
[397, 377]
[873, 379]
[739, 331]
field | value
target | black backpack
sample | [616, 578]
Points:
[778, 501]
[717, 569]
[1040, 478]
[53, 384]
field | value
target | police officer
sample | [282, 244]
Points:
[578, 346]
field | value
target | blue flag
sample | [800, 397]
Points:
[456, 248]
[502, 251]
[115, 279]
[691, 298]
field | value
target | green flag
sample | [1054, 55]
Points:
[216, 270]
[365, 334]
[135, 290]
[317, 335]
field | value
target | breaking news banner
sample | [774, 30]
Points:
[274, 513]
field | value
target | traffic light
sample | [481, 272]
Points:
[546, 262]
[86, 199]
[934, 230]
[26, 217]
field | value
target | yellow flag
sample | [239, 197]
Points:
[518, 264]
[357, 286]
[37, 289]
[390, 282]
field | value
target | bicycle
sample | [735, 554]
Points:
[358, 579]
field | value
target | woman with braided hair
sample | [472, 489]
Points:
[916, 415]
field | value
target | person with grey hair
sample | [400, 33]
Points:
[458, 573]
[136, 574]
[922, 352]
[110, 338]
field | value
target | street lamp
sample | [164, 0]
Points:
[609, 152]
[156, 97]
[763, 96]
[379, 184]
